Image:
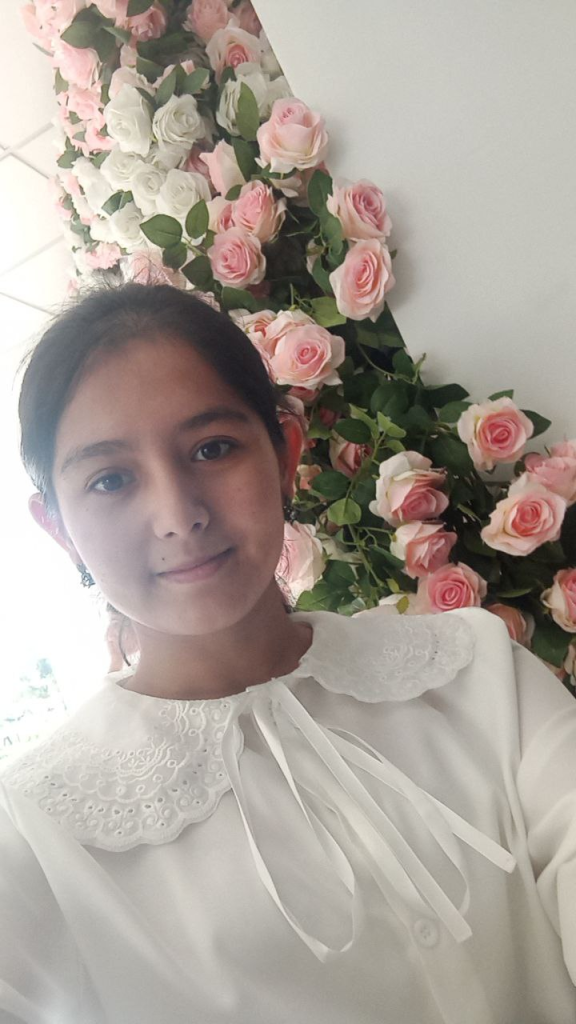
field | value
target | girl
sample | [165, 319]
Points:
[269, 817]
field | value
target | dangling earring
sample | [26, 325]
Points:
[86, 578]
[290, 513]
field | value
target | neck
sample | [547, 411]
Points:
[265, 644]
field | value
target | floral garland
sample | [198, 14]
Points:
[184, 158]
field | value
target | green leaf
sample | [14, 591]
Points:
[245, 157]
[195, 81]
[517, 591]
[452, 412]
[331, 230]
[68, 158]
[113, 203]
[105, 45]
[136, 7]
[320, 598]
[541, 424]
[473, 542]
[388, 427]
[81, 33]
[359, 414]
[119, 33]
[175, 256]
[166, 88]
[501, 394]
[233, 193]
[199, 273]
[395, 446]
[340, 575]
[325, 311]
[448, 393]
[197, 220]
[238, 298]
[60, 83]
[391, 398]
[404, 365]
[345, 512]
[365, 492]
[319, 188]
[550, 642]
[321, 276]
[330, 484]
[162, 230]
[447, 450]
[247, 113]
[125, 198]
[148, 68]
[353, 430]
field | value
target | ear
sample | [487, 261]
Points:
[290, 458]
[52, 525]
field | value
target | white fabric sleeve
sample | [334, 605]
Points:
[546, 783]
[40, 969]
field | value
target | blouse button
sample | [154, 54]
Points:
[426, 932]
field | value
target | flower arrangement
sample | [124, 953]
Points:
[184, 158]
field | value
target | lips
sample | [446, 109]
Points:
[187, 566]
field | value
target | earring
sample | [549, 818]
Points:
[86, 578]
[290, 513]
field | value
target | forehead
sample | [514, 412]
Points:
[145, 386]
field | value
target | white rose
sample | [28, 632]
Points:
[83, 209]
[100, 230]
[177, 124]
[95, 186]
[166, 158]
[277, 90]
[125, 227]
[128, 121]
[301, 561]
[128, 76]
[180, 192]
[252, 76]
[268, 58]
[119, 169]
[146, 185]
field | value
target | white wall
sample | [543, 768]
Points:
[465, 114]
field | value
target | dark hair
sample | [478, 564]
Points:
[103, 321]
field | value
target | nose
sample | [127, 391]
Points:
[176, 508]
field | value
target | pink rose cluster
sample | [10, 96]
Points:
[409, 489]
[296, 350]
[495, 431]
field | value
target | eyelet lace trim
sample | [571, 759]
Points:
[116, 798]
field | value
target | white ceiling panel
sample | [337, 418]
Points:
[19, 327]
[28, 100]
[41, 153]
[41, 281]
[28, 219]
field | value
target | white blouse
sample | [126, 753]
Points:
[387, 835]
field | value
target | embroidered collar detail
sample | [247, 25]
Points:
[186, 754]
[174, 772]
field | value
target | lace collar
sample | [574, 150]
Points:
[115, 793]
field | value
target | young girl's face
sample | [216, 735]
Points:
[160, 465]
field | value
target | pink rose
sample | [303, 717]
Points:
[495, 431]
[42, 33]
[145, 267]
[104, 256]
[347, 457]
[361, 210]
[557, 473]
[257, 211]
[307, 357]
[247, 18]
[306, 475]
[254, 325]
[301, 562]
[560, 598]
[95, 141]
[129, 54]
[564, 449]
[223, 167]
[408, 489]
[117, 10]
[84, 102]
[220, 214]
[294, 136]
[205, 18]
[232, 46]
[528, 517]
[151, 24]
[520, 627]
[424, 547]
[236, 258]
[78, 67]
[194, 161]
[361, 282]
[449, 588]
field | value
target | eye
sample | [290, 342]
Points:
[115, 478]
[212, 450]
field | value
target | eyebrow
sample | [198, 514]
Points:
[111, 447]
